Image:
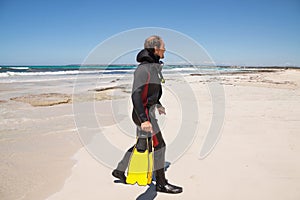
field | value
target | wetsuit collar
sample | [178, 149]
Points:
[147, 56]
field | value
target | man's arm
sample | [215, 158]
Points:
[160, 108]
[139, 91]
[159, 95]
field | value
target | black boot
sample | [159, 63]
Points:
[168, 188]
[162, 184]
[119, 175]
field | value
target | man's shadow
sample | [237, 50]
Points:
[151, 193]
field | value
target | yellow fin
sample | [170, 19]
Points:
[138, 168]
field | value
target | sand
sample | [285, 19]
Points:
[256, 157]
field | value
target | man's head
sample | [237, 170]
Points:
[156, 44]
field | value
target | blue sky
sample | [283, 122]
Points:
[247, 32]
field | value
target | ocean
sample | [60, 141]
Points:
[9, 71]
[10, 74]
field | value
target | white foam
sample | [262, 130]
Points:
[20, 68]
[4, 75]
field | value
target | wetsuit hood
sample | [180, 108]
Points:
[147, 56]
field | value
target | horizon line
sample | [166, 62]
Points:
[172, 64]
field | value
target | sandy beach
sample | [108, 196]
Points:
[43, 154]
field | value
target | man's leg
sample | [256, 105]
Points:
[159, 150]
[123, 164]
[141, 146]
[159, 160]
[119, 172]
[162, 184]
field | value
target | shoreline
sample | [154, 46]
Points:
[75, 158]
[36, 150]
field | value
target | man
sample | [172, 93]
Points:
[146, 93]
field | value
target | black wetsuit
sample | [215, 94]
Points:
[146, 92]
[146, 89]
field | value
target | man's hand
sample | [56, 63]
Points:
[146, 126]
[161, 110]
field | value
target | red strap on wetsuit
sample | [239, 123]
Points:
[154, 138]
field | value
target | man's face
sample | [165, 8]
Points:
[161, 50]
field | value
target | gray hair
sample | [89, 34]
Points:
[152, 42]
